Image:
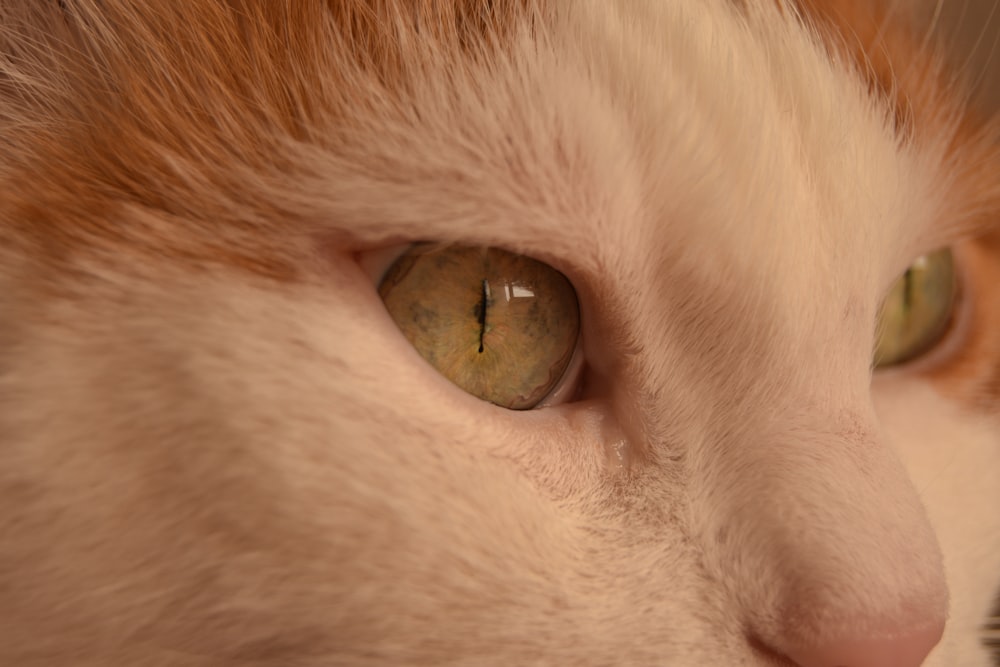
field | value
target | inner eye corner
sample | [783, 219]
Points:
[502, 326]
[375, 262]
[570, 386]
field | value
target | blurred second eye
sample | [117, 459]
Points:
[917, 311]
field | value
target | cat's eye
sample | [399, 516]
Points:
[501, 326]
[917, 311]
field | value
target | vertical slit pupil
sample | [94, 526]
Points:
[482, 312]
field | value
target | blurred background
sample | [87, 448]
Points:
[973, 26]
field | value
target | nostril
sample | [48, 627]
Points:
[905, 649]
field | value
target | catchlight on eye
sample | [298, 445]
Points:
[501, 326]
[917, 311]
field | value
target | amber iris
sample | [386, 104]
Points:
[501, 326]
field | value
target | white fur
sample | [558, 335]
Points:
[204, 467]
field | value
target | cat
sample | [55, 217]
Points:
[245, 243]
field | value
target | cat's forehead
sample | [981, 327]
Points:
[617, 126]
[705, 126]
[549, 128]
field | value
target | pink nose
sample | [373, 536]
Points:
[905, 649]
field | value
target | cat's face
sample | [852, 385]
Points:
[218, 447]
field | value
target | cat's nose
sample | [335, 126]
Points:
[835, 561]
[905, 648]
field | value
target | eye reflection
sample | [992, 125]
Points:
[517, 292]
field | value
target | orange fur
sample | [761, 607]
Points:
[215, 449]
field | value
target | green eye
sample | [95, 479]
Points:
[917, 310]
[501, 326]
